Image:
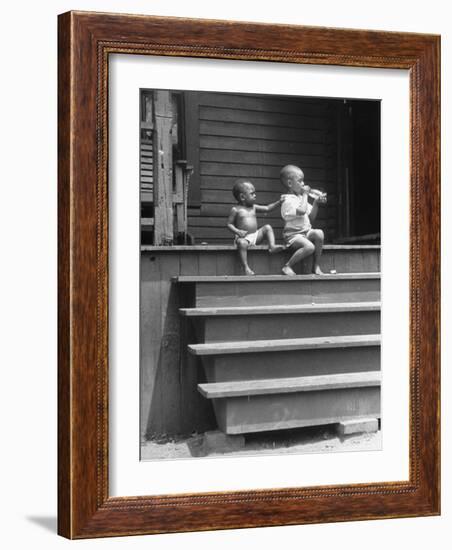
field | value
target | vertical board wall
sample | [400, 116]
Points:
[250, 136]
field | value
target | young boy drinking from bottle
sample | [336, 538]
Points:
[298, 215]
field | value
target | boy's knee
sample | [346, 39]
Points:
[310, 247]
[318, 235]
[242, 243]
[267, 227]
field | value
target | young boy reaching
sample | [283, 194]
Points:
[243, 223]
[298, 214]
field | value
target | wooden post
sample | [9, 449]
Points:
[163, 169]
[179, 199]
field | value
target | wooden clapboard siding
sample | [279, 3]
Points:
[225, 143]
[266, 159]
[253, 136]
[264, 118]
[254, 171]
[270, 103]
[260, 131]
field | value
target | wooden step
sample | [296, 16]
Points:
[271, 278]
[265, 290]
[294, 363]
[243, 414]
[291, 321]
[285, 344]
[222, 259]
[290, 385]
[274, 310]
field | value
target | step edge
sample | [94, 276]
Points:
[215, 390]
[273, 278]
[235, 429]
[285, 344]
[227, 311]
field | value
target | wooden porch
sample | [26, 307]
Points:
[171, 402]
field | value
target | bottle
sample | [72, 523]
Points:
[316, 194]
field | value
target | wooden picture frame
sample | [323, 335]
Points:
[85, 508]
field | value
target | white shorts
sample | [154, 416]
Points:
[250, 237]
[289, 239]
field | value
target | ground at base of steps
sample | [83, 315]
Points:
[300, 441]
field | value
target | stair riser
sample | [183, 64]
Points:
[262, 366]
[297, 325]
[239, 415]
[286, 292]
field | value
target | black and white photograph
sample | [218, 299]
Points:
[224, 234]
[260, 274]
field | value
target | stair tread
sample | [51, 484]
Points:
[223, 247]
[323, 382]
[285, 344]
[270, 278]
[280, 309]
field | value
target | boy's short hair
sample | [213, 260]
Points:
[286, 171]
[239, 187]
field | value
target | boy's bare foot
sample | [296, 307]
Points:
[276, 248]
[248, 271]
[288, 271]
[316, 270]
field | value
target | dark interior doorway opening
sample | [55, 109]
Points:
[359, 169]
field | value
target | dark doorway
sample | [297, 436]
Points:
[366, 167]
[359, 170]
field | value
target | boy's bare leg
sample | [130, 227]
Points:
[303, 248]
[242, 247]
[266, 231]
[317, 237]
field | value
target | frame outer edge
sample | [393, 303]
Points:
[64, 293]
[431, 270]
[82, 512]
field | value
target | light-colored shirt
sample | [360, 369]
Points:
[295, 223]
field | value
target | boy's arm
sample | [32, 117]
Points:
[231, 221]
[315, 208]
[269, 207]
[302, 209]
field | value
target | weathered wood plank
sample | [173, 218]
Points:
[191, 123]
[225, 197]
[264, 118]
[276, 104]
[227, 262]
[152, 421]
[276, 278]
[324, 382]
[241, 170]
[163, 165]
[261, 184]
[197, 412]
[189, 263]
[285, 344]
[206, 235]
[313, 362]
[262, 158]
[215, 210]
[256, 144]
[170, 350]
[286, 411]
[282, 325]
[272, 292]
[233, 129]
[208, 265]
